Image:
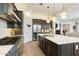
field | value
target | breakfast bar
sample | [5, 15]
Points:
[58, 45]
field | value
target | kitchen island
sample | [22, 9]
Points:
[58, 45]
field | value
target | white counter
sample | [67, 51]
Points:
[60, 39]
[4, 49]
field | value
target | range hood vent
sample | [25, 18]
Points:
[13, 12]
[5, 17]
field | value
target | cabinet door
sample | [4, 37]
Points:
[44, 45]
[12, 52]
[48, 48]
[54, 49]
[40, 42]
[76, 49]
[4, 8]
[67, 50]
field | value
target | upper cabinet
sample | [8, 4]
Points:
[14, 13]
[9, 12]
[4, 8]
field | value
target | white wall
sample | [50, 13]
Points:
[77, 27]
[71, 26]
[27, 31]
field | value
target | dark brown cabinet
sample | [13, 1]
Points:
[50, 48]
[67, 50]
[42, 44]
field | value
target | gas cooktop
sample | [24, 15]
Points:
[8, 40]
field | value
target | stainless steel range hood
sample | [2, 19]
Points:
[5, 17]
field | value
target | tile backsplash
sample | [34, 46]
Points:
[4, 32]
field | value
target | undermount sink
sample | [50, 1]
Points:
[8, 40]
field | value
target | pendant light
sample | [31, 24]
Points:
[48, 19]
[54, 18]
[63, 14]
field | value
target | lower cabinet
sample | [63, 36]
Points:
[42, 44]
[12, 52]
[50, 48]
[66, 49]
[16, 49]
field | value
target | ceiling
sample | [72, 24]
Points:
[70, 8]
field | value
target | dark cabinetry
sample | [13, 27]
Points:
[42, 44]
[52, 49]
[66, 50]
[48, 48]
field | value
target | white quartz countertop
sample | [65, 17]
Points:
[60, 39]
[4, 49]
